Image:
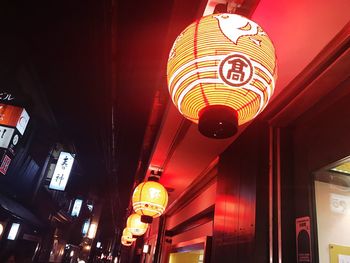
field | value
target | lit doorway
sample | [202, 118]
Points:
[332, 198]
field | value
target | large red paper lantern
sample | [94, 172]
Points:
[221, 73]
[149, 200]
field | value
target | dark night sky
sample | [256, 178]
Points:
[68, 45]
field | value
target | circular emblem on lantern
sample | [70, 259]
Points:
[236, 70]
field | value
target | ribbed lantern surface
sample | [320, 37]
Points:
[150, 199]
[222, 60]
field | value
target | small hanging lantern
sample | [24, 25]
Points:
[126, 242]
[149, 200]
[135, 226]
[128, 235]
[221, 73]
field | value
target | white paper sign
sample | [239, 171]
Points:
[22, 122]
[339, 203]
[343, 259]
[76, 207]
[5, 136]
[62, 171]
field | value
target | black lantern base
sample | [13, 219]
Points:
[146, 219]
[218, 122]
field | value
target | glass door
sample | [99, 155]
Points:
[332, 198]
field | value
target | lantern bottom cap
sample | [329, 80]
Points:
[218, 121]
[146, 219]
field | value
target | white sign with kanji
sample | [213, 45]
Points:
[62, 171]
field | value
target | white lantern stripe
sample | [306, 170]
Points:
[216, 58]
[189, 74]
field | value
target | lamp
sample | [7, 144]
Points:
[221, 73]
[128, 235]
[126, 242]
[149, 200]
[1, 229]
[135, 226]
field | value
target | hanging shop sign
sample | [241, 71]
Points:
[5, 160]
[221, 73]
[76, 207]
[303, 239]
[13, 231]
[9, 138]
[62, 171]
[86, 226]
[14, 117]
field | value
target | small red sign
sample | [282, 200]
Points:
[5, 164]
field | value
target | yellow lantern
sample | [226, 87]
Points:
[135, 226]
[149, 200]
[125, 241]
[221, 73]
[128, 235]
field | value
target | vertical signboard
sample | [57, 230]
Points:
[303, 239]
[5, 161]
[76, 207]
[62, 171]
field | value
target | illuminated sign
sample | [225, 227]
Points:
[85, 227]
[92, 231]
[9, 138]
[76, 207]
[5, 161]
[5, 96]
[5, 136]
[14, 116]
[62, 171]
[146, 248]
[13, 231]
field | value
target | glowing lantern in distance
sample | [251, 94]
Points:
[149, 200]
[135, 226]
[125, 241]
[221, 73]
[127, 238]
[128, 235]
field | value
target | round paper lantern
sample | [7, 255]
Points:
[125, 241]
[128, 235]
[221, 73]
[149, 200]
[135, 226]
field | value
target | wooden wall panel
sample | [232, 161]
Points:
[241, 167]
